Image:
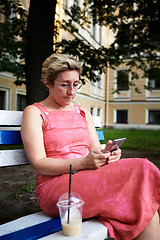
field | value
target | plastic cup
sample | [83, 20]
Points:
[71, 214]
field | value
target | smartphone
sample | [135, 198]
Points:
[114, 145]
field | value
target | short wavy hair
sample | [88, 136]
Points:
[57, 63]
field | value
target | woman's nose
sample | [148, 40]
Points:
[71, 89]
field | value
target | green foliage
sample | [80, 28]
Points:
[89, 56]
[13, 38]
[134, 23]
[137, 35]
[142, 140]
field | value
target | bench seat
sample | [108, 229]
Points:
[37, 225]
[41, 226]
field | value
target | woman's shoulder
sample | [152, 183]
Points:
[87, 113]
[31, 115]
[85, 109]
[31, 110]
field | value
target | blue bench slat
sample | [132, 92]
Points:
[35, 232]
[100, 135]
[14, 137]
[10, 137]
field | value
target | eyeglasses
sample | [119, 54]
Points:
[66, 86]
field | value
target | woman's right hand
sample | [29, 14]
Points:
[95, 159]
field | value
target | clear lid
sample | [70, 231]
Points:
[75, 200]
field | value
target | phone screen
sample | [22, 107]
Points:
[114, 145]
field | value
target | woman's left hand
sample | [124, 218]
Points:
[114, 155]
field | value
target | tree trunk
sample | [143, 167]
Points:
[40, 30]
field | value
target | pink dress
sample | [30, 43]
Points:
[124, 195]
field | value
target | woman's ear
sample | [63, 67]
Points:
[46, 83]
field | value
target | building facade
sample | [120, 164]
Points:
[131, 108]
[126, 109]
[12, 97]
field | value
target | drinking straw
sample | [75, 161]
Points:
[69, 195]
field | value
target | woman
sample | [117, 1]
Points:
[124, 194]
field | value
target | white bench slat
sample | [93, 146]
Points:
[13, 157]
[15, 118]
[97, 121]
[23, 222]
[91, 230]
[10, 117]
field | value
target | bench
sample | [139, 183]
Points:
[37, 225]
[98, 124]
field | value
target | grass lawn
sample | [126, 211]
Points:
[146, 141]
[142, 140]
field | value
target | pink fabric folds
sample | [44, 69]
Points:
[124, 195]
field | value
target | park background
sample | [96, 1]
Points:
[119, 46]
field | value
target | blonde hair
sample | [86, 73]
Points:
[57, 63]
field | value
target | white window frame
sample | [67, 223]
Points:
[100, 83]
[20, 92]
[147, 114]
[116, 95]
[101, 113]
[115, 115]
[94, 111]
[148, 93]
[8, 92]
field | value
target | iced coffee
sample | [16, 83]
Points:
[71, 214]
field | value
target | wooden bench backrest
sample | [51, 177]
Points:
[10, 123]
[97, 121]
[36, 225]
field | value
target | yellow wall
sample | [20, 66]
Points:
[91, 96]
[137, 104]
[136, 111]
[7, 83]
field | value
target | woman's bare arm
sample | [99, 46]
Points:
[115, 155]
[32, 136]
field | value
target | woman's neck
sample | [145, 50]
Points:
[53, 106]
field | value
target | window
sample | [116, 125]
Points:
[2, 100]
[92, 83]
[65, 4]
[100, 81]
[21, 102]
[154, 117]
[92, 111]
[122, 80]
[154, 78]
[122, 116]
[100, 34]
[93, 30]
[98, 112]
